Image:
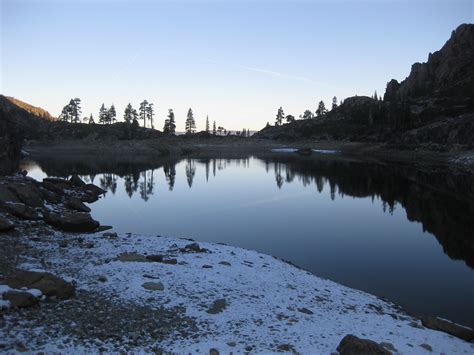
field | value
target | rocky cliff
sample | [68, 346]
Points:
[434, 105]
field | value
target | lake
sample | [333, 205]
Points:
[400, 232]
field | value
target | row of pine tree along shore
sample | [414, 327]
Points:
[72, 113]
[308, 114]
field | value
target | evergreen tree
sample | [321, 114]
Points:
[375, 95]
[128, 114]
[170, 126]
[75, 110]
[307, 115]
[267, 125]
[142, 111]
[190, 126]
[112, 115]
[103, 114]
[91, 119]
[334, 102]
[321, 110]
[150, 113]
[207, 124]
[65, 115]
[279, 117]
[214, 131]
[289, 118]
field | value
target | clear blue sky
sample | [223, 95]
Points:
[236, 61]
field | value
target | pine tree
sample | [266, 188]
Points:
[207, 124]
[142, 111]
[307, 115]
[65, 115]
[190, 126]
[149, 114]
[112, 115]
[279, 117]
[214, 132]
[289, 118]
[375, 95]
[170, 126]
[103, 115]
[334, 102]
[91, 119]
[75, 110]
[128, 114]
[321, 110]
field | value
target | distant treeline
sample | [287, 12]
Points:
[72, 113]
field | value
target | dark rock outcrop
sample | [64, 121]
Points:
[433, 106]
[352, 345]
[48, 284]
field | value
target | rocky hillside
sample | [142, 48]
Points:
[37, 111]
[434, 105]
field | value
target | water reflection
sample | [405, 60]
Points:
[347, 220]
[443, 202]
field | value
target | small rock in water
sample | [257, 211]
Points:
[218, 306]
[153, 286]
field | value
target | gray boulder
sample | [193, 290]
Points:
[20, 210]
[445, 326]
[47, 283]
[71, 221]
[20, 299]
[352, 345]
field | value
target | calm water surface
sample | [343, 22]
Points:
[394, 231]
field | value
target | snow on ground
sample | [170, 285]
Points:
[269, 303]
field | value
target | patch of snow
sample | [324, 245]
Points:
[268, 301]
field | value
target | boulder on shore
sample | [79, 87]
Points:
[48, 284]
[352, 345]
[448, 327]
[20, 299]
[71, 221]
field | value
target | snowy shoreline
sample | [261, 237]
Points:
[238, 300]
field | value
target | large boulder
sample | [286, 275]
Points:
[20, 299]
[75, 204]
[71, 221]
[48, 284]
[352, 345]
[6, 194]
[28, 193]
[448, 327]
[20, 210]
